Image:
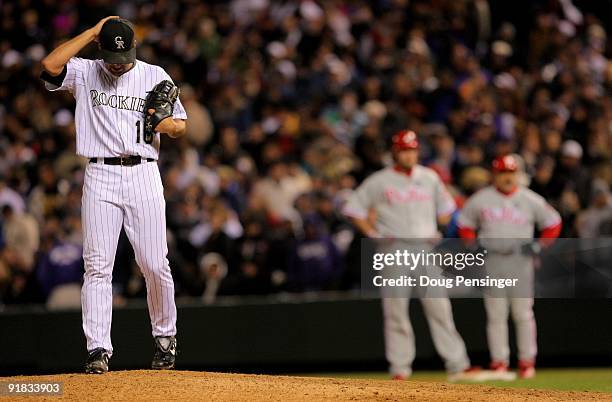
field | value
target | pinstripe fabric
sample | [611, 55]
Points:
[102, 217]
[132, 197]
[146, 229]
[108, 108]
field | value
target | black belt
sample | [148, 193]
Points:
[131, 160]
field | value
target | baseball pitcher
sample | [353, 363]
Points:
[500, 216]
[409, 200]
[122, 106]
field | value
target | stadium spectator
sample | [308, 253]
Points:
[279, 189]
[596, 220]
[213, 270]
[253, 275]
[200, 129]
[11, 198]
[316, 263]
[21, 238]
[60, 267]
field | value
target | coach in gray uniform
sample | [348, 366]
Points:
[503, 216]
[409, 201]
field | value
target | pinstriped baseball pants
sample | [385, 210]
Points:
[132, 197]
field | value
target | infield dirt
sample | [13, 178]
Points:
[190, 385]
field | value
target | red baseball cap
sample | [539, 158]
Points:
[505, 163]
[405, 139]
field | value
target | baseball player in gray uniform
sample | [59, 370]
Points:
[500, 216]
[118, 130]
[409, 201]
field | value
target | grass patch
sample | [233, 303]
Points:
[566, 379]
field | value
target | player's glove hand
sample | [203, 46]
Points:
[531, 248]
[161, 100]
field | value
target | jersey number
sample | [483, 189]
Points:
[147, 138]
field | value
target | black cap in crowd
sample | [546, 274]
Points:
[117, 42]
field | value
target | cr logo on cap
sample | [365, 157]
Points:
[119, 42]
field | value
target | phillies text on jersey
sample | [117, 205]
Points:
[407, 205]
[513, 216]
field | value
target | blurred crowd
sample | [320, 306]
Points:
[291, 104]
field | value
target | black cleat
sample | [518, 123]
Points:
[165, 353]
[97, 362]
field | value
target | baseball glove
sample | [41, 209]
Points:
[161, 99]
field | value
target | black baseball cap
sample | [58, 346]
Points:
[117, 42]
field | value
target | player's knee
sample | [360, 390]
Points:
[440, 311]
[497, 319]
[521, 315]
[397, 326]
[394, 320]
[98, 259]
[497, 313]
[395, 314]
[97, 272]
[157, 269]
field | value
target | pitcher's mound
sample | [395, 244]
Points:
[191, 385]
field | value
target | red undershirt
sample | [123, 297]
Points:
[406, 171]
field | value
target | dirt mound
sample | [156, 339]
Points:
[190, 385]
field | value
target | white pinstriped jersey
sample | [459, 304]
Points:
[109, 113]
[407, 206]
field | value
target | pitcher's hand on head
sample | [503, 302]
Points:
[98, 27]
[55, 62]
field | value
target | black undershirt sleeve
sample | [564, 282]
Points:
[57, 80]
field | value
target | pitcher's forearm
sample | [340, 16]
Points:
[180, 127]
[56, 60]
[174, 128]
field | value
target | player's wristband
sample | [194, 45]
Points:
[54, 80]
[531, 248]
